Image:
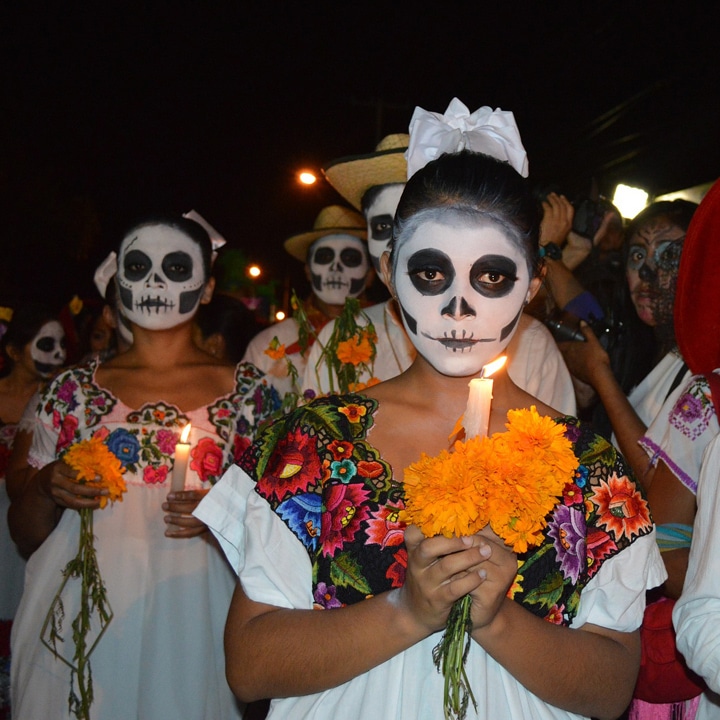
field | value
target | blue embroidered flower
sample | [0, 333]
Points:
[302, 514]
[581, 476]
[124, 446]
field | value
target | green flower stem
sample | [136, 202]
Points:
[450, 655]
[93, 602]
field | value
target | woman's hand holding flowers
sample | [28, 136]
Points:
[58, 481]
[440, 571]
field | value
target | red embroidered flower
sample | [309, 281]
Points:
[384, 527]
[207, 459]
[344, 512]
[369, 468]
[396, 572]
[572, 494]
[240, 445]
[293, 467]
[155, 475]
[67, 432]
[598, 546]
[340, 449]
[555, 616]
[620, 506]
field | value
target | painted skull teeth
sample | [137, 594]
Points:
[157, 303]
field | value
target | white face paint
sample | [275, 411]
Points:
[379, 215]
[461, 289]
[338, 267]
[160, 277]
[47, 348]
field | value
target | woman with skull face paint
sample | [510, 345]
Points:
[168, 585]
[33, 349]
[325, 484]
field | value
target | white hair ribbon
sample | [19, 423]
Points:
[488, 131]
[216, 238]
[105, 270]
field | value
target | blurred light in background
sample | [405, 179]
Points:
[629, 200]
[254, 271]
[307, 178]
[279, 315]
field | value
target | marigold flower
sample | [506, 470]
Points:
[96, 465]
[357, 350]
[275, 350]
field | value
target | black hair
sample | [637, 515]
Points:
[24, 326]
[231, 318]
[190, 228]
[678, 212]
[473, 185]
[371, 193]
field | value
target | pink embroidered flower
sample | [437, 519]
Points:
[101, 433]
[155, 475]
[207, 459]
[166, 441]
[240, 445]
[345, 511]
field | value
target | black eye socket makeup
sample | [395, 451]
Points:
[431, 271]
[494, 276]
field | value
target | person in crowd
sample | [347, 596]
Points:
[697, 323]
[326, 484]
[224, 328]
[334, 254]
[654, 245]
[169, 587]
[663, 445]
[593, 289]
[32, 349]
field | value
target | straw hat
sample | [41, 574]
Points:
[353, 176]
[332, 220]
[697, 297]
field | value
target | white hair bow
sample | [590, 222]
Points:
[488, 131]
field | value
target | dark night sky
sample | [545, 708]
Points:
[113, 111]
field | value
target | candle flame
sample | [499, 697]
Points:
[185, 433]
[493, 367]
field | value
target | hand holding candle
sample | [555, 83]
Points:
[182, 452]
[477, 414]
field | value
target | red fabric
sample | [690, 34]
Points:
[664, 677]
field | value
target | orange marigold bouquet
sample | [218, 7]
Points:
[97, 466]
[509, 481]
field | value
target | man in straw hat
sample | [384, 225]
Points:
[373, 183]
[336, 264]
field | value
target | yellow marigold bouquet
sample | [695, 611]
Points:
[97, 466]
[510, 481]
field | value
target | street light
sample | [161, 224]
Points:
[307, 177]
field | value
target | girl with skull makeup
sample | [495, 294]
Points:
[167, 582]
[325, 484]
[33, 348]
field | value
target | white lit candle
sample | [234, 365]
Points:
[477, 413]
[182, 452]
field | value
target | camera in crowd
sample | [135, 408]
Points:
[589, 215]
[565, 327]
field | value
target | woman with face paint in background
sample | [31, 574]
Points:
[161, 656]
[325, 484]
[33, 348]
[658, 427]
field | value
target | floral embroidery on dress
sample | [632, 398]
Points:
[333, 491]
[145, 443]
[7, 436]
[693, 410]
